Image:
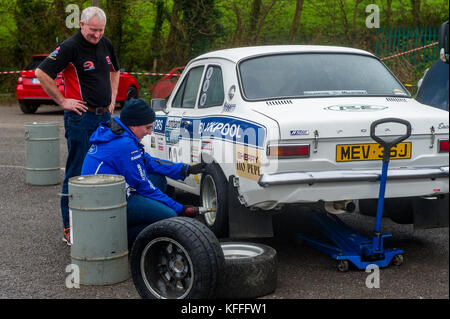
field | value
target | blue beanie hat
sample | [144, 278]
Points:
[137, 112]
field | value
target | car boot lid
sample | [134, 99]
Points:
[350, 117]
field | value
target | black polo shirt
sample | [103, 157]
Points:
[85, 68]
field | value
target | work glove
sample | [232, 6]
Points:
[189, 211]
[196, 169]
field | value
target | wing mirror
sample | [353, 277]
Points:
[159, 105]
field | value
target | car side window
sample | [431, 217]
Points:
[187, 93]
[177, 100]
[212, 92]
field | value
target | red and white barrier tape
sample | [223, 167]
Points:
[409, 51]
[9, 72]
[150, 73]
[173, 74]
[138, 73]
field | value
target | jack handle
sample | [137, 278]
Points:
[387, 145]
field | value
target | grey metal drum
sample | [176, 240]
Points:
[97, 206]
[42, 153]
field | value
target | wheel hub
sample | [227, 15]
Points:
[178, 267]
[167, 269]
[209, 200]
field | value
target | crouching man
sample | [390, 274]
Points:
[116, 149]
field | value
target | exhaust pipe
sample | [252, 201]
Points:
[340, 207]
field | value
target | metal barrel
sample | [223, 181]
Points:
[97, 207]
[42, 154]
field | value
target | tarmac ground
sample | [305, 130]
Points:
[34, 258]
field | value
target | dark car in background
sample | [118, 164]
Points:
[433, 87]
[30, 94]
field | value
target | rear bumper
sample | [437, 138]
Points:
[351, 176]
[34, 93]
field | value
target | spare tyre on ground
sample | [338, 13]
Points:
[181, 258]
[250, 270]
[176, 258]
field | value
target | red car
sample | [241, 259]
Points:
[31, 95]
[166, 84]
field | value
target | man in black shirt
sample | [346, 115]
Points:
[91, 74]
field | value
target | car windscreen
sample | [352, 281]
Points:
[34, 63]
[316, 74]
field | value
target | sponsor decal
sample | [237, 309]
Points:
[356, 108]
[88, 66]
[299, 132]
[206, 146]
[227, 107]
[172, 132]
[159, 125]
[153, 142]
[231, 92]
[194, 153]
[230, 129]
[247, 162]
[225, 128]
[108, 59]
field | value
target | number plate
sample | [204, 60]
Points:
[370, 152]
[35, 81]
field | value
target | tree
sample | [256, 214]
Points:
[36, 29]
[155, 44]
[193, 28]
[416, 12]
[115, 10]
[296, 20]
[254, 17]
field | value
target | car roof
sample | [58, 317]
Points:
[237, 54]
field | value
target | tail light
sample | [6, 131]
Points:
[443, 146]
[20, 80]
[288, 150]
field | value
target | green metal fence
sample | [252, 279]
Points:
[395, 40]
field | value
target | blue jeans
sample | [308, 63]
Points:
[143, 211]
[78, 130]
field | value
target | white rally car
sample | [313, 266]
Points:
[285, 125]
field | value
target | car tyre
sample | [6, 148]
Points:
[28, 108]
[132, 93]
[214, 194]
[250, 270]
[176, 258]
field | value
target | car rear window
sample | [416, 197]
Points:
[317, 75]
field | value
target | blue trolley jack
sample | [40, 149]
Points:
[349, 246]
